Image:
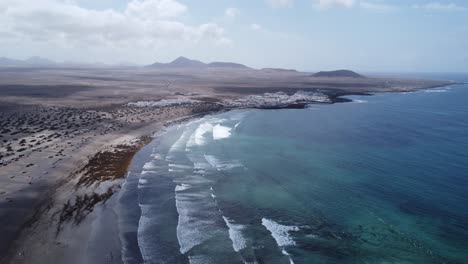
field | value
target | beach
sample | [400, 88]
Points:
[69, 137]
[86, 162]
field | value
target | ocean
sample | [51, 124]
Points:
[382, 179]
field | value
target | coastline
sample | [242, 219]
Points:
[39, 234]
[48, 223]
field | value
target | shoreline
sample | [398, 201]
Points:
[41, 217]
[36, 234]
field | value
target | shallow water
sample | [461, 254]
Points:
[381, 180]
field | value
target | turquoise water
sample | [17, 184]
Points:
[383, 179]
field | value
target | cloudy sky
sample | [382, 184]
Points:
[364, 35]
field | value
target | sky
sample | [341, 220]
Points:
[310, 35]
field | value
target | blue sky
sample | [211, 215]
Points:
[371, 35]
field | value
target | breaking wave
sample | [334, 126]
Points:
[220, 132]
[235, 234]
[281, 235]
[280, 232]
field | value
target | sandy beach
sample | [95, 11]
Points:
[56, 173]
[68, 137]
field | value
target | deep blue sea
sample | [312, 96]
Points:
[383, 179]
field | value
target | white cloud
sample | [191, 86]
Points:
[155, 9]
[280, 3]
[436, 6]
[325, 4]
[232, 12]
[255, 26]
[63, 23]
[378, 6]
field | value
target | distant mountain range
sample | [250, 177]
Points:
[179, 63]
[183, 62]
[279, 70]
[43, 62]
[338, 73]
[33, 61]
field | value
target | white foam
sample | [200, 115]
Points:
[149, 166]
[175, 170]
[289, 256]
[235, 126]
[182, 187]
[436, 90]
[219, 165]
[142, 181]
[144, 241]
[235, 234]
[195, 225]
[359, 101]
[280, 232]
[200, 259]
[212, 160]
[156, 156]
[213, 195]
[231, 165]
[198, 137]
[179, 166]
[220, 132]
[179, 143]
[201, 165]
[196, 209]
[188, 233]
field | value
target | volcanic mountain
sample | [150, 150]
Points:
[183, 62]
[338, 73]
